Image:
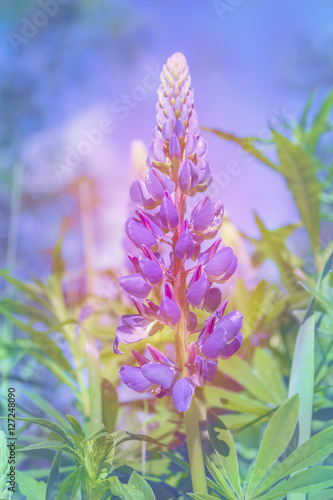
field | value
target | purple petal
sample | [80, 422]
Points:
[156, 150]
[151, 270]
[179, 128]
[158, 374]
[204, 257]
[159, 357]
[182, 393]
[168, 213]
[184, 176]
[184, 246]
[231, 324]
[192, 321]
[202, 147]
[169, 311]
[219, 263]
[136, 285]
[230, 271]
[213, 346]
[213, 300]
[139, 234]
[198, 290]
[233, 346]
[191, 145]
[203, 214]
[142, 360]
[174, 147]
[167, 130]
[140, 196]
[133, 378]
[212, 369]
[154, 187]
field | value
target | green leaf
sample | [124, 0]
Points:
[307, 481]
[223, 443]
[235, 401]
[125, 491]
[46, 445]
[53, 479]
[69, 488]
[109, 404]
[319, 123]
[29, 487]
[141, 485]
[184, 465]
[76, 426]
[52, 426]
[31, 291]
[302, 372]
[245, 375]
[320, 297]
[309, 453]
[202, 496]
[272, 245]
[299, 169]
[269, 370]
[221, 486]
[276, 438]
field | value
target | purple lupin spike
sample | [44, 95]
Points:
[177, 169]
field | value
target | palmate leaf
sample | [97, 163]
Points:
[309, 453]
[308, 481]
[276, 438]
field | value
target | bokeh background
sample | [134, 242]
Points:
[78, 85]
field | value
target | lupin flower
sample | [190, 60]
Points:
[177, 169]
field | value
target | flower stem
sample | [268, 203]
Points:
[194, 449]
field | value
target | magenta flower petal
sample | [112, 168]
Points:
[156, 150]
[230, 271]
[151, 270]
[168, 213]
[203, 215]
[205, 256]
[139, 234]
[159, 357]
[174, 147]
[184, 246]
[182, 393]
[213, 300]
[133, 378]
[169, 311]
[192, 321]
[136, 285]
[191, 145]
[212, 369]
[167, 130]
[219, 263]
[154, 186]
[213, 346]
[140, 195]
[231, 323]
[179, 128]
[184, 176]
[198, 290]
[158, 374]
[233, 346]
[202, 147]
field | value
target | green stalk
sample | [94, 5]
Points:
[198, 475]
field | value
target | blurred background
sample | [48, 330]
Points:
[78, 84]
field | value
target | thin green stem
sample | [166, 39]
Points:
[198, 475]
